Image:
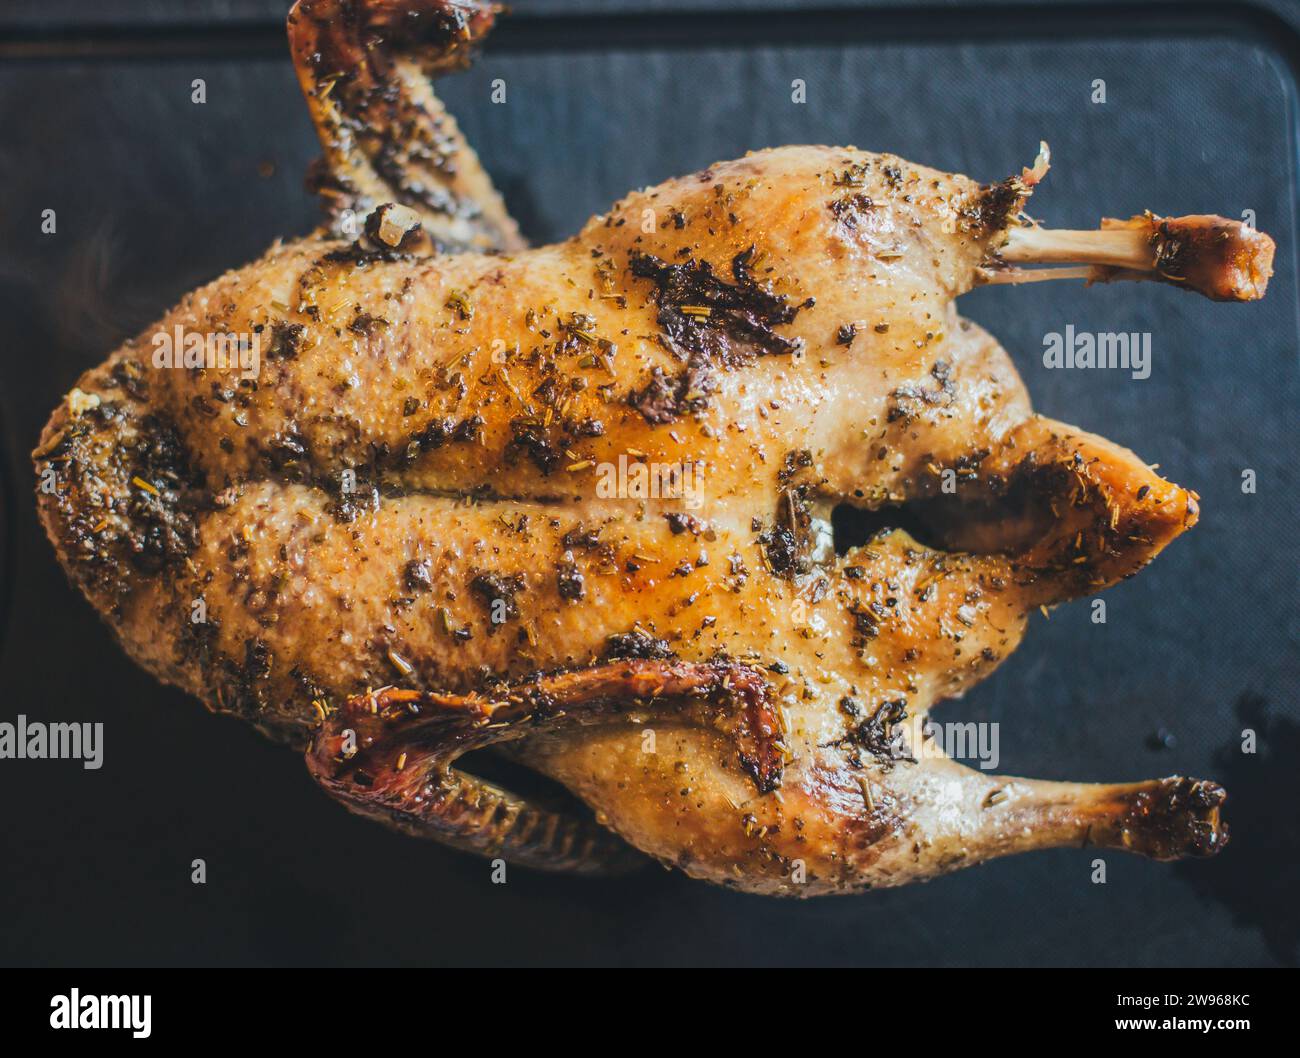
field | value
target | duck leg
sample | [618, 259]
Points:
[1223, 259]
[1164, 819]
[963, 817]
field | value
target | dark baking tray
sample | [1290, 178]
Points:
[154, 195]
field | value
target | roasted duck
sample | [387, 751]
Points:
[406, 489]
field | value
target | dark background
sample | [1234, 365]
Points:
[155, 195]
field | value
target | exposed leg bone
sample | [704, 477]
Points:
[1127, 248]
[1226, 260]
[1017, 276]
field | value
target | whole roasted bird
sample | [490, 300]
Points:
[572, 502]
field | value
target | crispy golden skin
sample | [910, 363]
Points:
[432, 483]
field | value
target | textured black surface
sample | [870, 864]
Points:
[155, 194]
